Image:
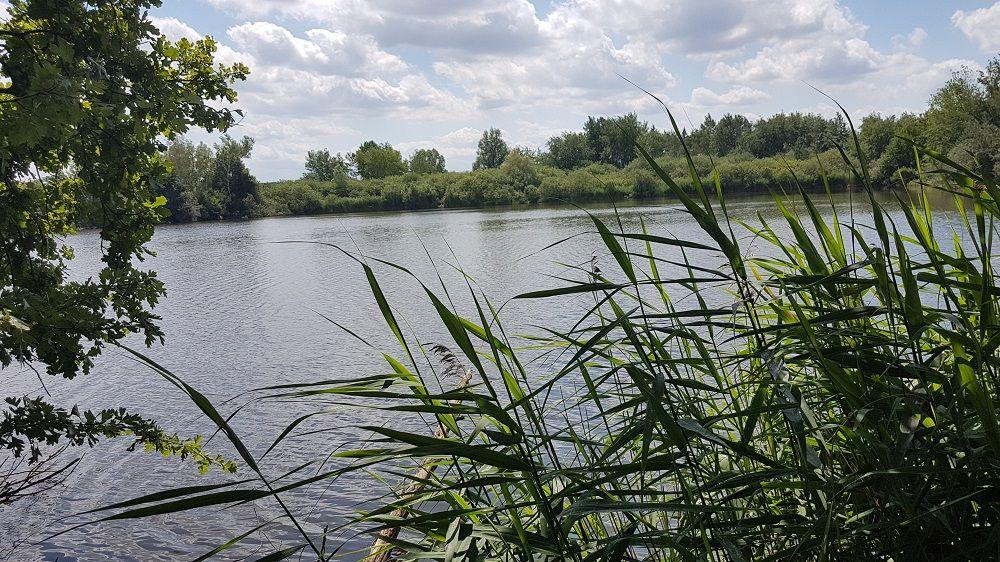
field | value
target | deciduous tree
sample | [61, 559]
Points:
[492, 150]
[89, 91]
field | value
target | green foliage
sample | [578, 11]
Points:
[523, 179]
[569, 151]
[236, 188]
[799, 133]
[374, 161]
[427, 161]
[612, 140]
[29, 423]
[520, 171]
[322, 166]
[645, 185]
[492, 150]
[876, 134]
[729, 131]
[89, 90]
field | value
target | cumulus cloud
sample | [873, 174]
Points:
[912, 40]
[831, 62]
[468, 25]
[980, 26]
[713, 26]
[174, 29]
[323, 50]
[737, 96]
[459, 144]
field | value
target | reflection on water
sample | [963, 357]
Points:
[243, 310]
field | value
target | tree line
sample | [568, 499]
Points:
[597, 162]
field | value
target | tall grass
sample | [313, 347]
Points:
[828, 396]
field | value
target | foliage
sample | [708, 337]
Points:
[321, 165]
[645, 185]
[130, 88]
[524, 179]
[569, 151]
[520, 171]
[210, 184]
[612, 139]
[728, 132]
[427, 161]
[232, 181]
[492, 150]
[373, 161]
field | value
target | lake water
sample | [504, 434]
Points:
[244, 311]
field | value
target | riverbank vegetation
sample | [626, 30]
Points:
[599, 163]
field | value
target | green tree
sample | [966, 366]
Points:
[569, 151]
[702, 139]
[188, 186]
[322, 166]
[729, 131]
[427, 161]
[612, 140]
[802, 134]
[876, 133]
[953, 109]
[492, 150]
[374, 161]
[88, 92]
[237, 189]
[182, 203]
[660, 143]
[519, 170]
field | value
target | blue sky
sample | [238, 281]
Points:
[334, 73]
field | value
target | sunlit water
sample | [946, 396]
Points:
[244, 310]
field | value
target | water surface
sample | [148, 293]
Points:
[246, 309]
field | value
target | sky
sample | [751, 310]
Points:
[436, 73]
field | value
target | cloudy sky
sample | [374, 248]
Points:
[435, 73]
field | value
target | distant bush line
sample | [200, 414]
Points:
[531, 182]
[599, 163]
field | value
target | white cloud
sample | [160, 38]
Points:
[980, 26]
[323, 50]
[832, 62]
[459, 144]
[713, 26]
[739, 95]
[174, 29]
[469, 25]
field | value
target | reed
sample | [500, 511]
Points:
[829, 395]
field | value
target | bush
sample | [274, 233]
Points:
[645, 185]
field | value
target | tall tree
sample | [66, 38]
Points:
[374, 161]
[427, 161]
[322, 166]
[612, 140]
[492, 150]
[188, 186]
[93, 86]
[729, 131]
[702, 139]
[569, 151]
[232, 180]
[876, 133]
